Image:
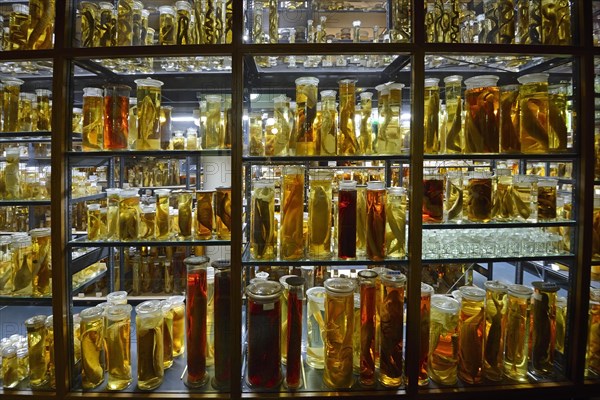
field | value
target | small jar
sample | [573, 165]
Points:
[546, 199]
[166, 128]
[433, 198]
[92, 345]
[22, 264]
[115, 298]
[395, 227]
[191, 140]
[149, 320]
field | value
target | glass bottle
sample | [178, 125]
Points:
[471, 329]
[295, 299]
[319, 213]
[593, 341]
[184, 11]
[10, 102]
[222, 324]
[376, 217]
[118, 297]
[107, 26]
[394, 135]
[292, 203]
[256, 147]
[443, 340]
[149, 334]
[546, 199]
[479, 207]
[18, 28]
[191, 139]
[6, 266]
[44, 110]
[367, 282]
[284, 313]
[23, 363]
[283, 122]
[524, 196]
[26, 101]
[77, 121]
[556, 22]
[118, 341]
[347, 215]
[432, 113]
[510, 136]
[453, 142]
[36, 344]
[124, 36]
[306, 112]
[315, 326]
[425, 307]
[395, 227]
[148, 110]
[197, 299]
[129, 214]
[339, 321]
[516, 339]
[264, 321]
[41, 262]
[163, 223]
[365, 137]
[22, 265]
[93, 123]
[361, 220]
[262, 222]
[223, 212]
[482, 123]
[112, 214]
[347, 142]
[391, 315]
[116, 117]
[12, 175]
[534, 124]
[543, 327]
[144, 26]
[10, 367]
[185, 220]
[92, 345]
[433, 198]
[213, 134]
[561, 328]
[136, 23]
[166, 127]
[454, 200]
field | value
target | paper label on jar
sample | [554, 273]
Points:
[268, 306]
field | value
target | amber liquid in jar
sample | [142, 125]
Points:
[148, 106]
[204, 214]
[391, 320]
[367, 327]
[92, 345]
[197, 298]
[482, 124]
[118, 341]
[319, 214]
[93, 125]
[534, 122]
[116, 122]
[425, 307]
[262, 219]
[376, 221]
[291, 230]
[471, 329]
[124, 23]
[223, 213]
[347, 143]
[306, 112]
[222, 320]
[443, 340]
[149, 330]
[433, 199]
[479, 208]
[36, 343]
[516, 340]
[347, 223]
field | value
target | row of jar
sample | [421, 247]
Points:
[30, 358]
[18, 182]
[127, 24]
[26, 264]
[125, 219]
[25, 112]
[29, 27]
[504, 21]
[364, 221]
[110, 122]
[17, 218]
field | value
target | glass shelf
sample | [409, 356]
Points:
[85, 243]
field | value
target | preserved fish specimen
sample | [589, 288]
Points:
[320, 213]
[222, 320]
[178, 311]
[479, 206]
[44, 110]
[347, 143]
[534, 126]
[18, 28]
[196, 301]
[510, 137]
[10, 103]
[93, 123]
[257, 22]
[10, 367]
[166, 127]
[163, 223]
[92, 346]
[543, 309]
[264, 321]
[593, 344]
[184, 206]
[432, 113]
[118, 297]
[213, 134]
[223, 212]
[433, 198]
[306, 112]
[471, 331]
[443, 340]
[22, 260]
[482, 120]
[218, 21]
[294, 332]
[168, 25]
[256, 147]
[426, 293]
[376, 218]
[328, 133]
[516, 340]
[116, 117]
[147, 222]
[6, 266]
[149, 333]
[178, 141]
[365, 138]
[557, 117]
[282, 116]
[204, 214]
[454, 201]
[118, 341]
[503, 204]
[167, 334]
[535, 21]
[367, 281]
[129, 215]
[315, 325]
[453, 142]
[262, 238]
[107, 26]
[41, 263]
[148, 108]
[556, 22]
[136, 23]
[347, 215]
[494, 330]
[291, 230]
[391, 315]
[339, 321]
[112, 214]
[361, 220]
[356, 335]
[124, 24]
[395, 227]
[546, 199]
[90, 16]
[26, 101]
[36, 343]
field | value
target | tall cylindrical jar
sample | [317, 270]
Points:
[453, 141]
[395, 227]
[315, 327]
[166, 127]
[284, 312]
[533, 106]
[292, 210]
[92, 345]
[205, 219]
[433, 198]
[129, 214]
[592, 358]
[168, 25]
[116, 117]
[328, 135]
[543, 308]
[118, 343]
[425, 307]
[516, 339]
[22, 255]
[10, 103]
[93, 119]
[112, 213]
[493, 340]
[222, 320]
[283, 122]
[479, 207]
[432, 114]
[546, 199]
[347, 143]
[124, 27]
[482, 123]
[306, 111]
[367, 282]
[262, 219]
[196, 310]
[41, 262]
[443, 340]
[347, 215]
[471, 328]
[294, 332]
[264, 330]
[558, 116]
[339, 326]
[391, 316]
[148, 112]
[213, 134]
[319, 213]
[10, 367]
[376, 217]
[51, 369]
[163, 223]
[149, 331]
[178, 310]
[361, 220]
[36, 343]
[392, 125]
[510, 132]
[223, 212]
[185, 218]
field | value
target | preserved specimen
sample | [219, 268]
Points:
[433, 198]
[524, 187]
[365, 137]
[196, 301]
[284, 314]
[222, 320]
[376, 217]
[184, 207]
[93, 123]
[36, 344]
[347, 143]
[395, 227]
[546, 199]
[51, 369]
[262, 223]
[184, 14]
[315, 325]
[256, 147]
[10, 367]
[223, 213]
[41, 25]
[443, 340]
[22, 260]
[44, 110]
[41, 262]
[453, 142]
[533, 105]
[506, 21]
[454, 199]
[167, 331]
[425, 307]
[148, 110]
[510, 138]
[283, 123]
[401, 21]
[306, 111]
[163, 222]
[347, 215]
[561, 320]
[471, 330]
[482, 120]
[204, 214]
[367, 281]
[136, 23]
[168, 25]
[10, 103]
[319, 213]
[213, 133]
[328, 132]
[391, 315]
[118, 342]
[92, 346]
[292, 203]
[543, 321]
[432, 112]
[516, 340]
[293, 378]
[557, 116]
[124, 23]
[479, 206]
[149, 332]
[178, 311]
[107, 26]
[147, 222]
[18, 29]
[503, 204]
[112, 214]
[361, 220]
[116, 117]
[26, 101]
[129, 214]
[166, 127]
[556, 22]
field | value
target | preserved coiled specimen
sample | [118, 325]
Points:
[89, 37]
[125, 23]
[273, 21]
[506, 21]
[209, 22]
[522, 23]
[18, 28]
[395, 235]
[535, 21]
[556, 22]
[376, 224]
[106, 36]
[510, 140]
[433, 200]
[183, 26]
[470, 347]
[482, 121]
[480, 199]
[492, 352]
[218, 21]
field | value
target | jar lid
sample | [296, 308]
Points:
[91, 313]
[545, 286]
[321, 174]
[544, 182]
[481, 81]
[264, 290]
[347, 185]
[520, 291]
[112, 191]
[12, 81]
[183, 5]
[367, 274]
[472, 293]
[510, 88]
[39, 232]
[9, 351]
[295, 281]
[495, 286]
[444, 304]
[115, 297]
[196, 260]
[149, 81]
[262, 183]
[339, 285]
[480, 175]
[316, 294]
[221, 264]
[162, 192]
[347, 81]
[148, 307]
[452, 79]
[27, 96]
[118, 311]
[395, 86]
[431, 82]
[176, 300]
[375, 185]
[426, 290]
[307, 80]
[43, 92]
[396, 191]
[282, 98]
[283, 280]
[395, 278]
[145, 13]
[366, 95]
[262, 275]
[561, 301]
[541, 77]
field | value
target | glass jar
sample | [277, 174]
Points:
[361, 220]
[147, 222]
[561, 324]
[524, 197]
[503, 204]
[196, 300]
[204, 214]
[306, 112]
[453, 141]
[482, 124]
[479, 207]
[167, 328]
[148, 113]
[395, 227]
[262, 220]
[191, 139]
[166, 127]
[129, 214]
[26, 101]
[92, 345]
[264, 321]
[543, 327]
[23, 363]
[10, 367]
[432, 113]
[558, 116]
[12, 175]
[136, 23]
[93, 122]
[222, 323]
[391, 315]
[149, 333]
[425, 307]
[22, 258]
[392, 130]
[294, 332]
[210, 313]
[184, 11]
[178, 311]
[112, 213]
[328, 134]
[454, 200]
[256, 146]
[292, 212]
[18, 29]
[213, 132]
[320, 213]
[185, 218]
[116, 117]
[534, 125]
[493, 341]
[41, 262]
[284, 315]
[168, 25]
[77, 120]
[376, 217]
[223, 212]
[367, 282]
[51, 371]
[346, 141]
[546, 199]
[118, 341]
[347, 220]
[443, 340]
[315, 327]
[471, 328]
[516, 340]
[510, 136]
[283, 123]
[10, 101]
[163, 223]
[6, 266]
[383, 94]
[124, 29]
[556, 22]
[106, 25]
[44, 110]
[593, 341]
[433, 198]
